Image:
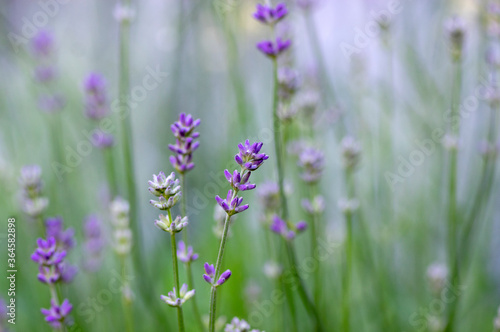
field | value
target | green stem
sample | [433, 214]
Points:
[347, 275]
[126, 303]
[189, 272]
[314, 246]
[452, 194]
[110, 171]
[213, 293]
[180, 318]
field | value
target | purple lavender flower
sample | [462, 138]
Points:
[56, 314]
[232, 203]
[68, 272]
[49, 274]
[268, 15]
[51, 103]
[209, 275]
[43, 43]
[103, 140]
[47, 254]
[274, 49]
[279, 226]
[96, 101]
[186, 254]
[94, 243]
[65, 238]
[183, 130]
[45, 74]
[238, 182]
[249, 156]
[312, 162]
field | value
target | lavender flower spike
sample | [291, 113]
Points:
[209, 273]
[183, 130]
[47, 254]
[268, 15]
[312, 162]
[96, 102]
[224, 277]
[56, 315]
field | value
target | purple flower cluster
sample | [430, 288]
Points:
[270, 16]
[185, 143]
[96, 101]
[186, 254]
[94, 243]
[250, 159]
[312, 162]
[65, 238]
[209, 275]
[279, 226]
[57, 314]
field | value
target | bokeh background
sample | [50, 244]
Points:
[392, 89]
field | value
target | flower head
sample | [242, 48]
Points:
[43, 43]
[239, 325]
[94, 243]
[46, 253]
[312, 162]
[164, 186]
[172, 300]
[232, 203]
[64, 238]
[316, 206]
[210, 277]
[279, 226]
[239, 182]
[249, 156]
[56, 314]
[172, 226]
[351, 152]
[96, 102]
[185, 144]
[269, 15]
[186, 254]
[273, 50]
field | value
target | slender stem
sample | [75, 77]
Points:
[213, 294]
[308, 304]
[314, 245]
[126, 303]
[189, 272]
[180, 318]
[110, 171]
[452, 194]
[347, 275]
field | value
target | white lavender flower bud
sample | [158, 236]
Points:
[316, 206]
[35, 207]
[348, 205]
[172, 300]
[450, 142]
[122, 241]
[437, 273]
[239, 325]
[496, 322]
[351, 152]
[120, 210]
[166, 204]
[164, 186]
[123, 13]
[165, 224]
[272, 270]
[455, 28]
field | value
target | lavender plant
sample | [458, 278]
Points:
[168, 191]
[250, 159]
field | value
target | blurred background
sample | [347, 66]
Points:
[379, 71]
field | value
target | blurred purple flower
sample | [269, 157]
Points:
[186, 254]
[274, 49]
[45, 74]
[183, 130]
[56, 314]
[51, 103]
[96, 101]
[43, 43]
[312, 162]
[279, 226]
[65, 238]
[269, 15]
